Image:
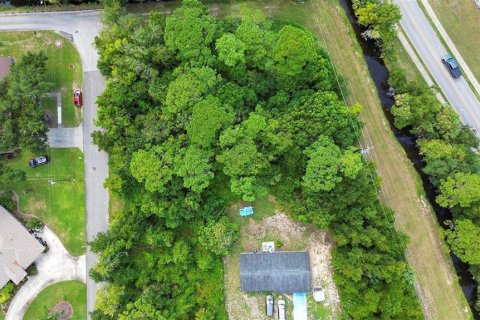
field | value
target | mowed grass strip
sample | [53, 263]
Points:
[73, 292]
[64, 67]
[55, 193]
[437, 284]
[460, 19]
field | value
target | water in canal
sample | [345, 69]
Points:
[379, 74]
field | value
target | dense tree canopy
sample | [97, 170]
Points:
[21, 114]
[198, 113]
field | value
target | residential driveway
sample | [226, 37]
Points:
[82, 27]
[66, 137]
[430, 49]
[55, 265]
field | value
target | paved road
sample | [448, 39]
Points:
[56, 265]
[466, 70]
[430, 49]
[82, 27]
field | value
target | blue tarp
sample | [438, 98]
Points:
[300, 306]
[246, 211]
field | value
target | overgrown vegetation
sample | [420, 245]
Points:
[21, 124]
[450, 154]
[199, 113]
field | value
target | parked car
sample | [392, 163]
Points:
[282, 310]
[269, 303]
[38, 161]
[452, 66]
[77, 98]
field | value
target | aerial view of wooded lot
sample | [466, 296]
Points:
[239, 159]
[201, 112]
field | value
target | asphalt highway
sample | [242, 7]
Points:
[431, 50]
[82, 27]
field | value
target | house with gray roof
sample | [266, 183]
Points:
[18, 249]
[280, 271]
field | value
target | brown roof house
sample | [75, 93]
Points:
[18, 249]
[5, 64]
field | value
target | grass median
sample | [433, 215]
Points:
[64, 67]
[74, 293]
[55, 193]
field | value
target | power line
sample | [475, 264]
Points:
[355, 129]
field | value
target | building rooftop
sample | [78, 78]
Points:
[5, 63]
[18, 249]
[283, 272]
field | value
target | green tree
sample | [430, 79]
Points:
[196, 169]
[461, 189]
[208, 117]
[231, 50]
[154, 167]
[189, 32]
[21, 124]
[189, 88]
[463, 239]
[218, 236]
[327, 165]
[295, 48]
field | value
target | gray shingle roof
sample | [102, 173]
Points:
[18, 249]
[284, 272]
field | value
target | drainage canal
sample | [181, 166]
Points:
[379, 74]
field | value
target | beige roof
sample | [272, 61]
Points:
[5, 63]
[18, 249]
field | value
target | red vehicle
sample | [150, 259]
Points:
[77, 98]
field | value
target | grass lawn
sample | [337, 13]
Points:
[2, 316]
[73, 292]
[56, 194]
[438, 288]
[460, 19]
[64, 67]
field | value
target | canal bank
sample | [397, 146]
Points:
[380, 74]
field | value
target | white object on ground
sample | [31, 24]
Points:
[319, 294]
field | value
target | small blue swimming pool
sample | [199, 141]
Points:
[300, 306]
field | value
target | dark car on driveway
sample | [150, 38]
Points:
[38, 161]
[452, 66]
[269, 302]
